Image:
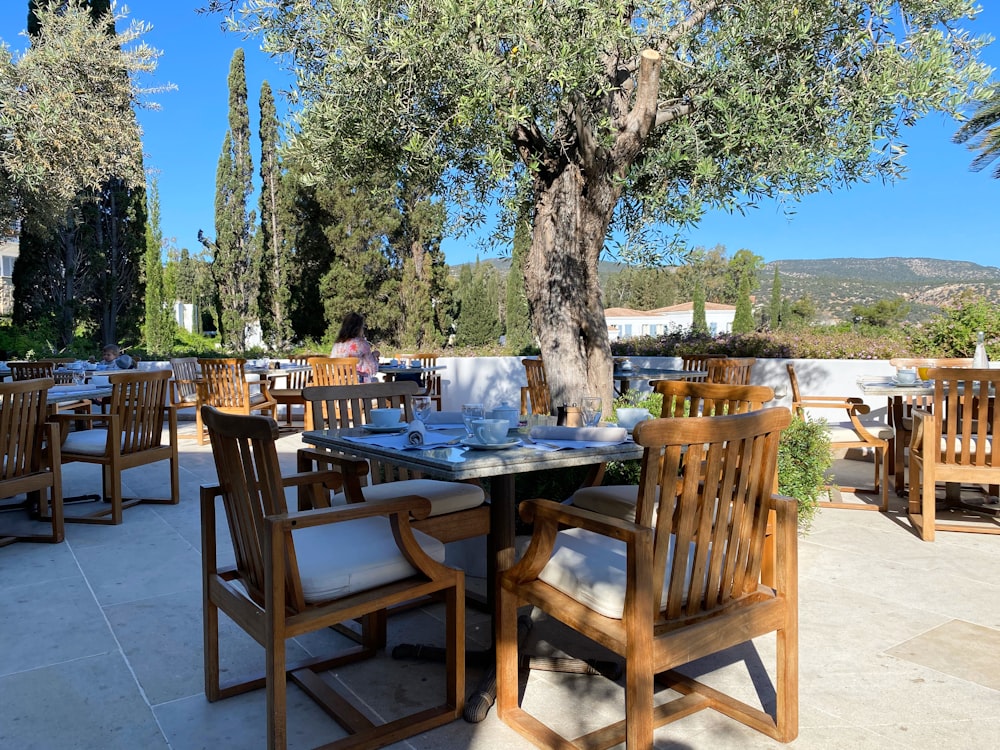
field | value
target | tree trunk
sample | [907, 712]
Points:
[562, 286]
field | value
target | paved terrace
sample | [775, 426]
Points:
[100, 642]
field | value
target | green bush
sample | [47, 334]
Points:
[804, 457]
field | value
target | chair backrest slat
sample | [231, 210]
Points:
[691, 362]
[731, 370]
[334, 370]
[538, 386]
[186, 373]
[139, 399]
[43, 368]
[964, 415]
[225, 383]
[715, 477]
[22, 414]
[682, 398]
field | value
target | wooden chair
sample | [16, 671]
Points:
[30, 459]
[537, 390]
[691, 362]
[681, 398]
[223, 384]
[291, 394]
[432, 378]
[458, 509]
[852, 433]
[133, 436]
[662, 595]
[731, 370]
[45, 369]
[953, 442]
[297, 573]
[334, 370]
[901, 418]
[184, 388]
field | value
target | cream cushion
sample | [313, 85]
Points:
[445, 497]
[591, 569]
[340, 559]
[616, 500]
[87, 442]
[844, 432]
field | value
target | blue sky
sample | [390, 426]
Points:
[940, 210]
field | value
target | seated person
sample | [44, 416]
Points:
[113, 359]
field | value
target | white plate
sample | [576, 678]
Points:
[906, 385]
[386, 428]
[475, 444]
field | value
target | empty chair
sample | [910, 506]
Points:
[297, 573]
[224, 385]
[432, 378]
[184, 386]
[692, 362]
[665, 594]
[45, 368]
[731, 370]
[953, 443]
[291, 394]
[537, 390]
[30, 462]
[132, 436]
[851, 433]
[334, 370]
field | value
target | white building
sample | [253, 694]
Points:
[624, 323]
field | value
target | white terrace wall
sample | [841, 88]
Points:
[492, 380]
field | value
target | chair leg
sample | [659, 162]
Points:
[507, 658]
[199, 426]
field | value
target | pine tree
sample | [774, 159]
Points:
[274, 249]
[158, 329]
[235, 266]
[775, 311]
[699, 325]
[743, 321]
[518, 316]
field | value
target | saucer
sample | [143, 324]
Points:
[384, 428]
[476, 445]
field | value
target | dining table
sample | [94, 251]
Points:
[624, 377]
[898, 396]
[394, 372]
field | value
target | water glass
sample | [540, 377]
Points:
[592, 409]
[421, 407]
[78, 377]
[471, 412]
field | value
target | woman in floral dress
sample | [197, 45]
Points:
[351, 342]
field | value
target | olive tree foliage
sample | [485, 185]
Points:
[62, 132]
[617, 115]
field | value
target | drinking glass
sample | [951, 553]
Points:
[471, 412]
[922, 372]
[421, 407]
[592, 407]
[78, 377]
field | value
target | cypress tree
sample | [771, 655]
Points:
[158, 329]
[775, 311]
[235, 266]
[743, 321]
[699, 325]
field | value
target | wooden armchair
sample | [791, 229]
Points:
[730, 370]
[291, 394]
[223, 384]
[691, 362]
[852, 433]
[952, 442]
[662, 595]
[298, 573]
[537, 390]
[458, 509]
[681, 398]
[432, 378]
[901, 416]
[45, 368]
[30, 462]
[334, 371]
[133, 436]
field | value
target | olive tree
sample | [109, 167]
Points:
[614, 116]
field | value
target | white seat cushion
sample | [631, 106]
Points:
[257, 398]
[445, 497]
[591, 569]
[87, 442]
[973, 445]
[616, 500]
[340, 559]
[844, 432]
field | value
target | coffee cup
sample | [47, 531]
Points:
[385, 417]
[906, 376]
[490, 431]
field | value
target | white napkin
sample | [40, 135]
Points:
[416, 433]
[581, 434]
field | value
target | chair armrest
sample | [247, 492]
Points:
[923, 424]
[406, 505]
[851, 404]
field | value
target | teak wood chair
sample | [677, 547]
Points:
[133, 436]
[952, 442]
[334, 370]
[458, 509]
[537, 390]
[901, 417]
[681, 398]
[692, 362]
[852, 433]
[45, 368]
[291, 394]
[666, 593]
[224, 385]
[30, 460]
[432, 378]
[300, 572]
[730, 370]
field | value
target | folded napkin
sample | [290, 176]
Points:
[416, 433]
[401, 441]
[580, 434]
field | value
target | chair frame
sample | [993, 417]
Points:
[432, 381]
[853, 407]
[537, 389]
[291, 394]
[263, 596]
[721, 605]
[730, 370]
[31, 458]
[690, 362]
[45, 368]
[136, 413]
[948, 447]
[224, 385]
